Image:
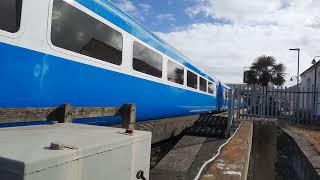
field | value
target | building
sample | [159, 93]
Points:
[310, 78]
[310, 82]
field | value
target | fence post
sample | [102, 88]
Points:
[295, 96]
[230, 112]
[247, 101]
[285, 101]
[272, 101]
[316, 108]
[310, 108]
[260, 101]
[128, 115]
[303, 110]
[63, 114]
[238, 101]
[267, 101]
[313, 104]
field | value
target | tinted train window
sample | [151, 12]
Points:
[211, 88]
[146, 60]
[76, 31]
[203, 84]
[192, 80]
[10, 15]
[175, 72]
[226, 94]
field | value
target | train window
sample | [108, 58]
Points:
[76, 31]
[146, 60]
[226, 94]
[203, 84]
[175, 72]
[192, 80]
[211, 88]
[10, 15]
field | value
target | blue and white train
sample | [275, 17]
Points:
[89, 53]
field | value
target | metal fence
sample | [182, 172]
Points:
[296, 104]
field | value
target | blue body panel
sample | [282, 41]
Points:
[33, 79]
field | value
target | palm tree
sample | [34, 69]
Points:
[265, 70]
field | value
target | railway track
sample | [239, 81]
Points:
[210, 126]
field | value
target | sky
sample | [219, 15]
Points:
[224, 36]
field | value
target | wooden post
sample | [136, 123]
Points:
[63, 114]
[128, 115]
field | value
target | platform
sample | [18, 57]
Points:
[303, 147]
[233, 162]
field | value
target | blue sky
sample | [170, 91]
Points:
[224, 36]
[164, 15]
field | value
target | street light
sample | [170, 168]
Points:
[298, 73]
[291, 79]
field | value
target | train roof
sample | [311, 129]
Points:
[224, 85]
[109, 11]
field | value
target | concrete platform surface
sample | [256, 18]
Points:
[186, 158]
[233, 162]
[310, 132]
[176, 164]
[307, 138]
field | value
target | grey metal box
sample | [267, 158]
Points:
[91, 153]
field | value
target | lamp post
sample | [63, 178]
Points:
[298, 72]
[291, 79]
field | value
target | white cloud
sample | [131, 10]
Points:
[224, 50]
[145, 7]
[166, 17]
[280, 12]
[256, 28]
[136, 11]
[126, 6]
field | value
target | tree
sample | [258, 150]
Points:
[265, 70]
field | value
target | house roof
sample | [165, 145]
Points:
[310, 68]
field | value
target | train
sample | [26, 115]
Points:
[89, 53]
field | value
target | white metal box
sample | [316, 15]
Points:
[91, 153]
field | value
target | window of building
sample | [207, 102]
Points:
[203, 84]
[211, 88]
[175, 72]
[10, 15]
[76, 31]
[146, 60]
[192, 80]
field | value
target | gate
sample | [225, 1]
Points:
[294, 103]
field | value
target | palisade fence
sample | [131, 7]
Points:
[296, 104]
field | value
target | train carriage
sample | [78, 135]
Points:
[223, 97]
[89, 53]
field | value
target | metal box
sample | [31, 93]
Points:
[84, 153]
